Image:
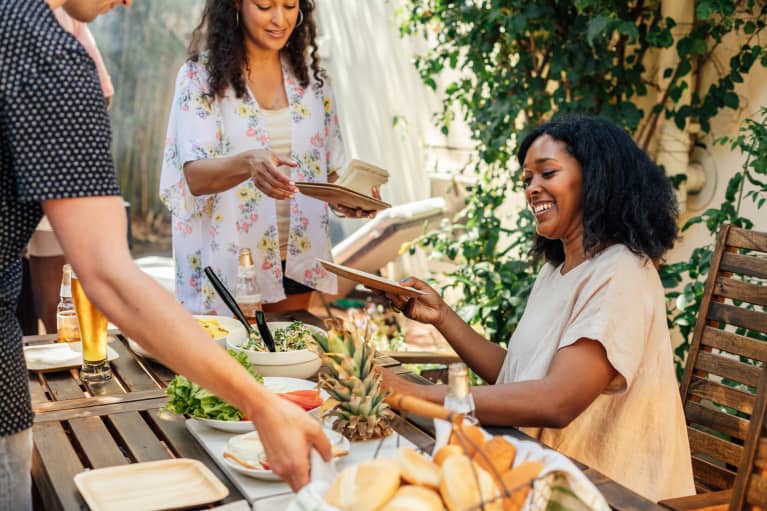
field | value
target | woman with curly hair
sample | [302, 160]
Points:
[253, 113]
[589, 369]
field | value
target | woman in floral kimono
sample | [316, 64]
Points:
[252, 114]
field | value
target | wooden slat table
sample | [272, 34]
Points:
[80, 426]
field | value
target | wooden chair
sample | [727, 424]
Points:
[725, 422]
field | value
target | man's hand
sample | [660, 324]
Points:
[288, 433]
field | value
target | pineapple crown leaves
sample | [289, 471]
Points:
[353, 381]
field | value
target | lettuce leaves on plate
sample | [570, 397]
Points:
[188, 398]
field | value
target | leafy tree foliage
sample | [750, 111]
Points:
[517, 63]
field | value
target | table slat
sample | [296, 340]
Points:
[97, 443]
[154, 370]
[63, 386]
[132, 375]
[97, 411]
[87, 402]
[36, 389]
[140, 441]
[54, 465]
[620, 497]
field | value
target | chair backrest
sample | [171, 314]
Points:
[750, 490]
[723, 383]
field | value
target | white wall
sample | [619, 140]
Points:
[720, 161]
[374, 80]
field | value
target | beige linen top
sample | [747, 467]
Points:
[279, 128]
[635, 431]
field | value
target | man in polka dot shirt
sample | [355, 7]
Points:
[55, 158]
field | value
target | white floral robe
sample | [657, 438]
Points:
[209, 230]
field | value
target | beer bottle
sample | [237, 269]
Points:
[67, 328]
[459, 396]
[247, 293]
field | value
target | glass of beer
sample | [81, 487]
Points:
[93, 332]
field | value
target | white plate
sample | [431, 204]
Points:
[228, 426]
[237, 334]
[277, 385]
[337, 441]
[58, 356]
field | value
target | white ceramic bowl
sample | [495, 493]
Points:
[236, 334]
[293, 364]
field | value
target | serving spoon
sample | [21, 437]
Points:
[229, 301]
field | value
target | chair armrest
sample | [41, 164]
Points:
[710, 501]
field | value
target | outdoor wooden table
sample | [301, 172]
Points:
[80, 426]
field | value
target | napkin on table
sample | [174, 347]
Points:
[52, 355]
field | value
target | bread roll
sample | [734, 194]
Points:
[417, 469]
[414, 498]
[445, 452]
[522, 473]
[497, 451]
[468, 437]
[459, 487]
[364, 487]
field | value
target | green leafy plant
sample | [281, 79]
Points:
[519, 62]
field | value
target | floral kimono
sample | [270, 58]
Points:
[209, 230]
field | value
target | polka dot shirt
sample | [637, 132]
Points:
[54, 143]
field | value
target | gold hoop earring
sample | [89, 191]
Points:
[237, 17]
[300, 18]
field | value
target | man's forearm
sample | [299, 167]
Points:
[92, 233]
[148, 314]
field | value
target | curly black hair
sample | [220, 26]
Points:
[222, 37]
[625, 198]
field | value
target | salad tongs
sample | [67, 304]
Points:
[226, 296]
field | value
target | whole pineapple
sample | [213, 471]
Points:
[353, 382]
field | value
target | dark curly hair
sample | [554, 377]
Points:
[222, 37]
[625, 198]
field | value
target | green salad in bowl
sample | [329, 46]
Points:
[188, 398]
[292, 357]
[288, 338]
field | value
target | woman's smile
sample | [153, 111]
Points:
[541, 208]
[277, 34]
[553, 183]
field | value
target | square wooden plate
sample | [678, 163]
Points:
[336, 194]
[370, 280]
[153, 485]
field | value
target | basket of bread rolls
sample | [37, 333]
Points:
[473, 471]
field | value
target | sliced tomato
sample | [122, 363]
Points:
[306, 399]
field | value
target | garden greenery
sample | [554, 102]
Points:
[518, 62]
[750, 184]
